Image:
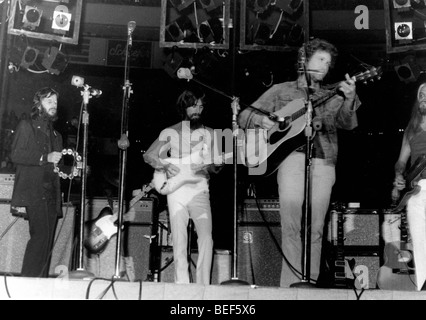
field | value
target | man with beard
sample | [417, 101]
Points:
[190, 144]
[339, 112]
[36, 148]
[413, 148]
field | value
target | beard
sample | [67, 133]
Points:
[45, 116]
[195, 121]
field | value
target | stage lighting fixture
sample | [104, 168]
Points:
[174, 32]
[402, 5]
[181, 4]
[261, 6]
[32, 17]
[403, 30]
[210, 5]
[54, 60]
[61, 19]
[206, 32]
[29, 57]
[172, 63]
[408, 70]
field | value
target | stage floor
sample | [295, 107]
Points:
[20, 288]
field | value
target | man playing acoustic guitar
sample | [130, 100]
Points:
[414, 148]
[339, 111]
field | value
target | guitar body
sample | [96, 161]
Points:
[278, 142]
[186, 175]
[100, 231]
[398, 272]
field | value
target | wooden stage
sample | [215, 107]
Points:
[20, 288]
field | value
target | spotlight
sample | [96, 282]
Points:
[181, 4]
[402, 4]
[174, 32]
[181, 29]
[54, 60]
[172, 63]
[211, 31]
[61, 19]
[408, 70]
[29, 57]
[32, 17]
[403, 30]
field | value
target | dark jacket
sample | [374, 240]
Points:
[34, 177]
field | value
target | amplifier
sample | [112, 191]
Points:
[144, 211]
[7, 181]
[254, 210]
[361, 227]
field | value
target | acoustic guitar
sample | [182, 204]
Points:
[104, 227]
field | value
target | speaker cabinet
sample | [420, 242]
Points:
[138, 240]
[15, 235]
[221, 269]
[370, 264]
[259, 260]
[15, 232]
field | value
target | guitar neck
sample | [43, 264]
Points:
[417, 169]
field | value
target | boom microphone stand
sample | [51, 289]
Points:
[307, 209]
[123, 144]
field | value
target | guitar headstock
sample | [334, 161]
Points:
[369, 75]
[235, 105]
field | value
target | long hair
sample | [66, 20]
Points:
[307, 51]
[413, 126]
[188, 98]
[45, 92]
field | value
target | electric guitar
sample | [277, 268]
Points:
[339, 270]
[411, 179]
[287, 135]
[100, 230]
[186, 175]
[398, 272]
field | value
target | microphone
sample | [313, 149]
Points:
[95, 92]
[131, 25]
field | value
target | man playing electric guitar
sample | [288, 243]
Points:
[315, 60]
[190, 200]
[413, 147]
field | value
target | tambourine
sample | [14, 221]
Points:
[75, 167]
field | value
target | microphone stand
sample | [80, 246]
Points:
[123, 144]
[307, 209]
[81, 273]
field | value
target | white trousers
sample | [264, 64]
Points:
[191, 201]
[416, 212]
